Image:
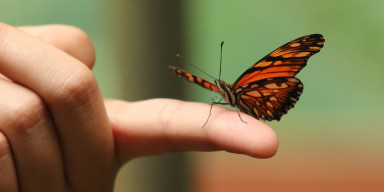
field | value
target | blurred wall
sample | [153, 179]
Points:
[148, 36]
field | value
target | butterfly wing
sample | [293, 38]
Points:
[193, 78]
[285, 61]
[270, 98]
[268, 89]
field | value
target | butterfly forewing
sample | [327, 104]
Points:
[285, 61]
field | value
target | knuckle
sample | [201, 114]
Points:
[76, 90]
[23, 113]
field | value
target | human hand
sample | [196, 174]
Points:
[58, 134]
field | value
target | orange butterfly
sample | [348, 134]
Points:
[268, 89]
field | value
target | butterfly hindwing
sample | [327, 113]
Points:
[270, 98]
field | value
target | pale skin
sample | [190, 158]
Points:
[57, 132]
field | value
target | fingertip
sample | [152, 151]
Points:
[266, 145]
[253, 138]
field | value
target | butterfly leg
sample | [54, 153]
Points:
[238, 112]
[210, 110]
[219, 103]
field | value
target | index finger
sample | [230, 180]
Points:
[158, 126]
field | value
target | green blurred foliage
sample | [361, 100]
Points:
[344, 79]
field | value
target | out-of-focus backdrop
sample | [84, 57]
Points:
[331, 141]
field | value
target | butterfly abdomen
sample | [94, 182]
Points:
[193, 79]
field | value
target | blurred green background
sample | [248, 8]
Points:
[331, 141]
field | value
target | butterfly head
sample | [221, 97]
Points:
[226, 92]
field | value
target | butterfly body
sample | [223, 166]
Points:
[268, 89]
[226, 92]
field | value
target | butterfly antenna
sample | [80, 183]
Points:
[194, 66]
[221, 57]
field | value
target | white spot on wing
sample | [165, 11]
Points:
[295, 44]
[273, 98]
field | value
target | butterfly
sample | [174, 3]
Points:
[269, 88]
